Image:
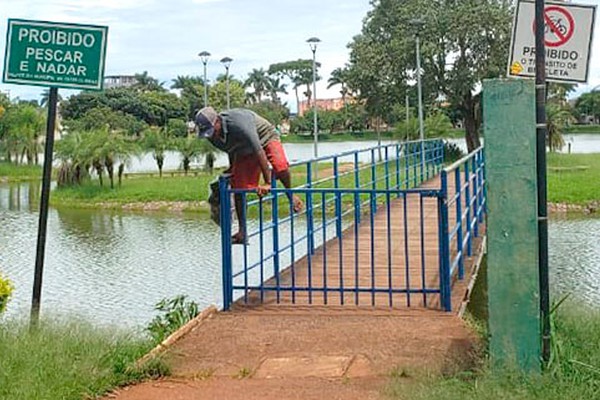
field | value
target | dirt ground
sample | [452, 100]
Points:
[308, 353]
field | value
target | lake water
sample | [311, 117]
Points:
[112, 267]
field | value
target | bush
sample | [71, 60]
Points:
[177, 312]
[6, 289]
[452, 152]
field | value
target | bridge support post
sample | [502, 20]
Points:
[512, 229]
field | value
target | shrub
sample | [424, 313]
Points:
[6, 289]
[176, 312]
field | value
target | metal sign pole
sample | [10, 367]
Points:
[43, 220]
[541, 128]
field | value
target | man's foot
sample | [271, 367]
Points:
[297, 204]
[239, 238]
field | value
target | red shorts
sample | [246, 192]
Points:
[245, 171]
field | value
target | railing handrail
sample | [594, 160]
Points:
[463, 160]
[352, 152]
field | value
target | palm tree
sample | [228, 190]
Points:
[146, 83]
[46, 98]
[190, 149]
[158, 141]
[275, 87]
[558, 117]
[339, 77]
[259, 82]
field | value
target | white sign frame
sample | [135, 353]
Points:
[571, 60]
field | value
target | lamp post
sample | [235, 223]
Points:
[226, 61]
[204, 58]
[418, 25]
[313, 42]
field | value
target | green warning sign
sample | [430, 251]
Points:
[55, 54]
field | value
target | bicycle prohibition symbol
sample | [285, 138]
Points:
[559, 26]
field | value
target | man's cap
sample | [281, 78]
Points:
[205, 122]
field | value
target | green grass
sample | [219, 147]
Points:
[14, 173]
[583, 129]
[355, 136]
[573, 178]
[69, 360]
[575, 373]
[133, 190]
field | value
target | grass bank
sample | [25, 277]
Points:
[187, 191]
[356, 136]
[574, 373]
[583, 129]
[15, 173]
[71, 360]
[574, 178]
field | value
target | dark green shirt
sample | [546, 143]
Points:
[243, 132]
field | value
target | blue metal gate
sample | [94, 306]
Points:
[359, 239]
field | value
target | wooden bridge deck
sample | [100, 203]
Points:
[379, 263]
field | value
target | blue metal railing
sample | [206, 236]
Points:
[300, 257]
[462, 210]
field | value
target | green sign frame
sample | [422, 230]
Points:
[55, 54]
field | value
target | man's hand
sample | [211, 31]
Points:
[263, 190]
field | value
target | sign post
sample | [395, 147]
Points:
[551, 41]
[53, 55]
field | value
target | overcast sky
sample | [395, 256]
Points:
[164, 37]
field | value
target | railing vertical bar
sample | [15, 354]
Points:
[245, 244]
[389, 247]
[225, 222]
[468, 208]
[423, 277]
[356, 186]
[372, 230]
[415, 165]
[341, 262]
[338, 203]
[292, 243]
[309, 211]
[474, 172]
[444, 245]
[356, 253]
[459, 225]
[373, 177]
[275, 229]
[261, 245]
[398, 168]
[406, 257]
[406, 166]
[324, 220]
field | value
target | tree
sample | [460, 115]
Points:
[299, 72]
[192, 92]
[146, 83]
[217, 97]
[589, 104]
[258, 81]
[463, 42]
[276, 86]
[339, 76]
[21, 129]
[158, 142]
[46, 98]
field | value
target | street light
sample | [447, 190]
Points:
[313, 42]
[418, 25]
[204, 58]
[226, 61]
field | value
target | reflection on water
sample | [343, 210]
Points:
[108, 267]
[574, 250]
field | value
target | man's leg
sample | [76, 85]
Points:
[240, 236]
[245, 174]
[277, 158]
